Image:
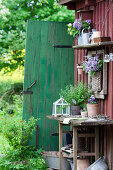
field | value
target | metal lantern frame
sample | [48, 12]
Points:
[61, 107]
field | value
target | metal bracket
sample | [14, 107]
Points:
[29, 92]
[62, 46]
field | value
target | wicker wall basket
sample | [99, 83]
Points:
[97, 82]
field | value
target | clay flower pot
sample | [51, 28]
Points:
[80, 69]
[93, 109]
[84, 114]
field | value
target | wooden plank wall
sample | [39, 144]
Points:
[103, 19]
[53, 68]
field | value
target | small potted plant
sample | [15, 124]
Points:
[76, 95]
[92, 106]
[80, 28]
[84, 112]
[80, 68]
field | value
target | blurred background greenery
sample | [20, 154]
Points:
[13, 18]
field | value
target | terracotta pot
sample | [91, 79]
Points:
[82, 164]
[80, 69]
[84, 114]
[96, 34]
[75, 110]
[93, 109]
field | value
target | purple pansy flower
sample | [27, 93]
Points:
[92, 100]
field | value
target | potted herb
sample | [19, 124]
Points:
[80, 28]
[75, 95]
[92, 106]
[84, 112]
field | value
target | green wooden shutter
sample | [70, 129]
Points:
[53, 68]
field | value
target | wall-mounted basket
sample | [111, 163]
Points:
[97, 82]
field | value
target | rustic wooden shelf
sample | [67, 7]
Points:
[76, 124]
[95, 45]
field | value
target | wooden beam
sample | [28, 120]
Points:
[75, 147]
[60, 145]
[80, 5]
[63, 2]
[86, 135]
[96, 143]
[86, 154]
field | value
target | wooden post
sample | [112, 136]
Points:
[96, 143]
[75, 147]
[60, 145]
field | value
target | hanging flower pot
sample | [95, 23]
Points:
[92, 106]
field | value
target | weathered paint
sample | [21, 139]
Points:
[53, 68]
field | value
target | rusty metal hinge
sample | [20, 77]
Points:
[29, 92]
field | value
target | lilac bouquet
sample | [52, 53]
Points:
[92, 100]
[78, 26]
[92, 64]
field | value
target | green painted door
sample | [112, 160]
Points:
[53, 68]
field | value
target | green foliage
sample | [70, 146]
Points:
[16, 131]
[4, 145]
[10, 99]
[12, 60]
[78, 26]
[79, 93]
[20, 156]
[27, 158]
[13, 19]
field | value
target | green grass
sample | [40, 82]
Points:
[3, 144]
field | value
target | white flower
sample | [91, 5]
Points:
[71, 33]
[69, 25]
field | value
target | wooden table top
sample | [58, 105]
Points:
[78, 121]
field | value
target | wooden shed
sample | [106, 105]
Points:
[101, 14]
[49, 68]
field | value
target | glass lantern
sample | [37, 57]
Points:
[61, 107]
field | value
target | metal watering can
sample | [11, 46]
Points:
[84, 38]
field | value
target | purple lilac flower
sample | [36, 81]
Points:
[91, 64]
[77, 24]
[88, 21]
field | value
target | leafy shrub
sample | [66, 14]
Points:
[10, 87]
[27, 158]
[20, 156]
[79, 94]
[18, 132]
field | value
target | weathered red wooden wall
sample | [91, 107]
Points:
[102, 21]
